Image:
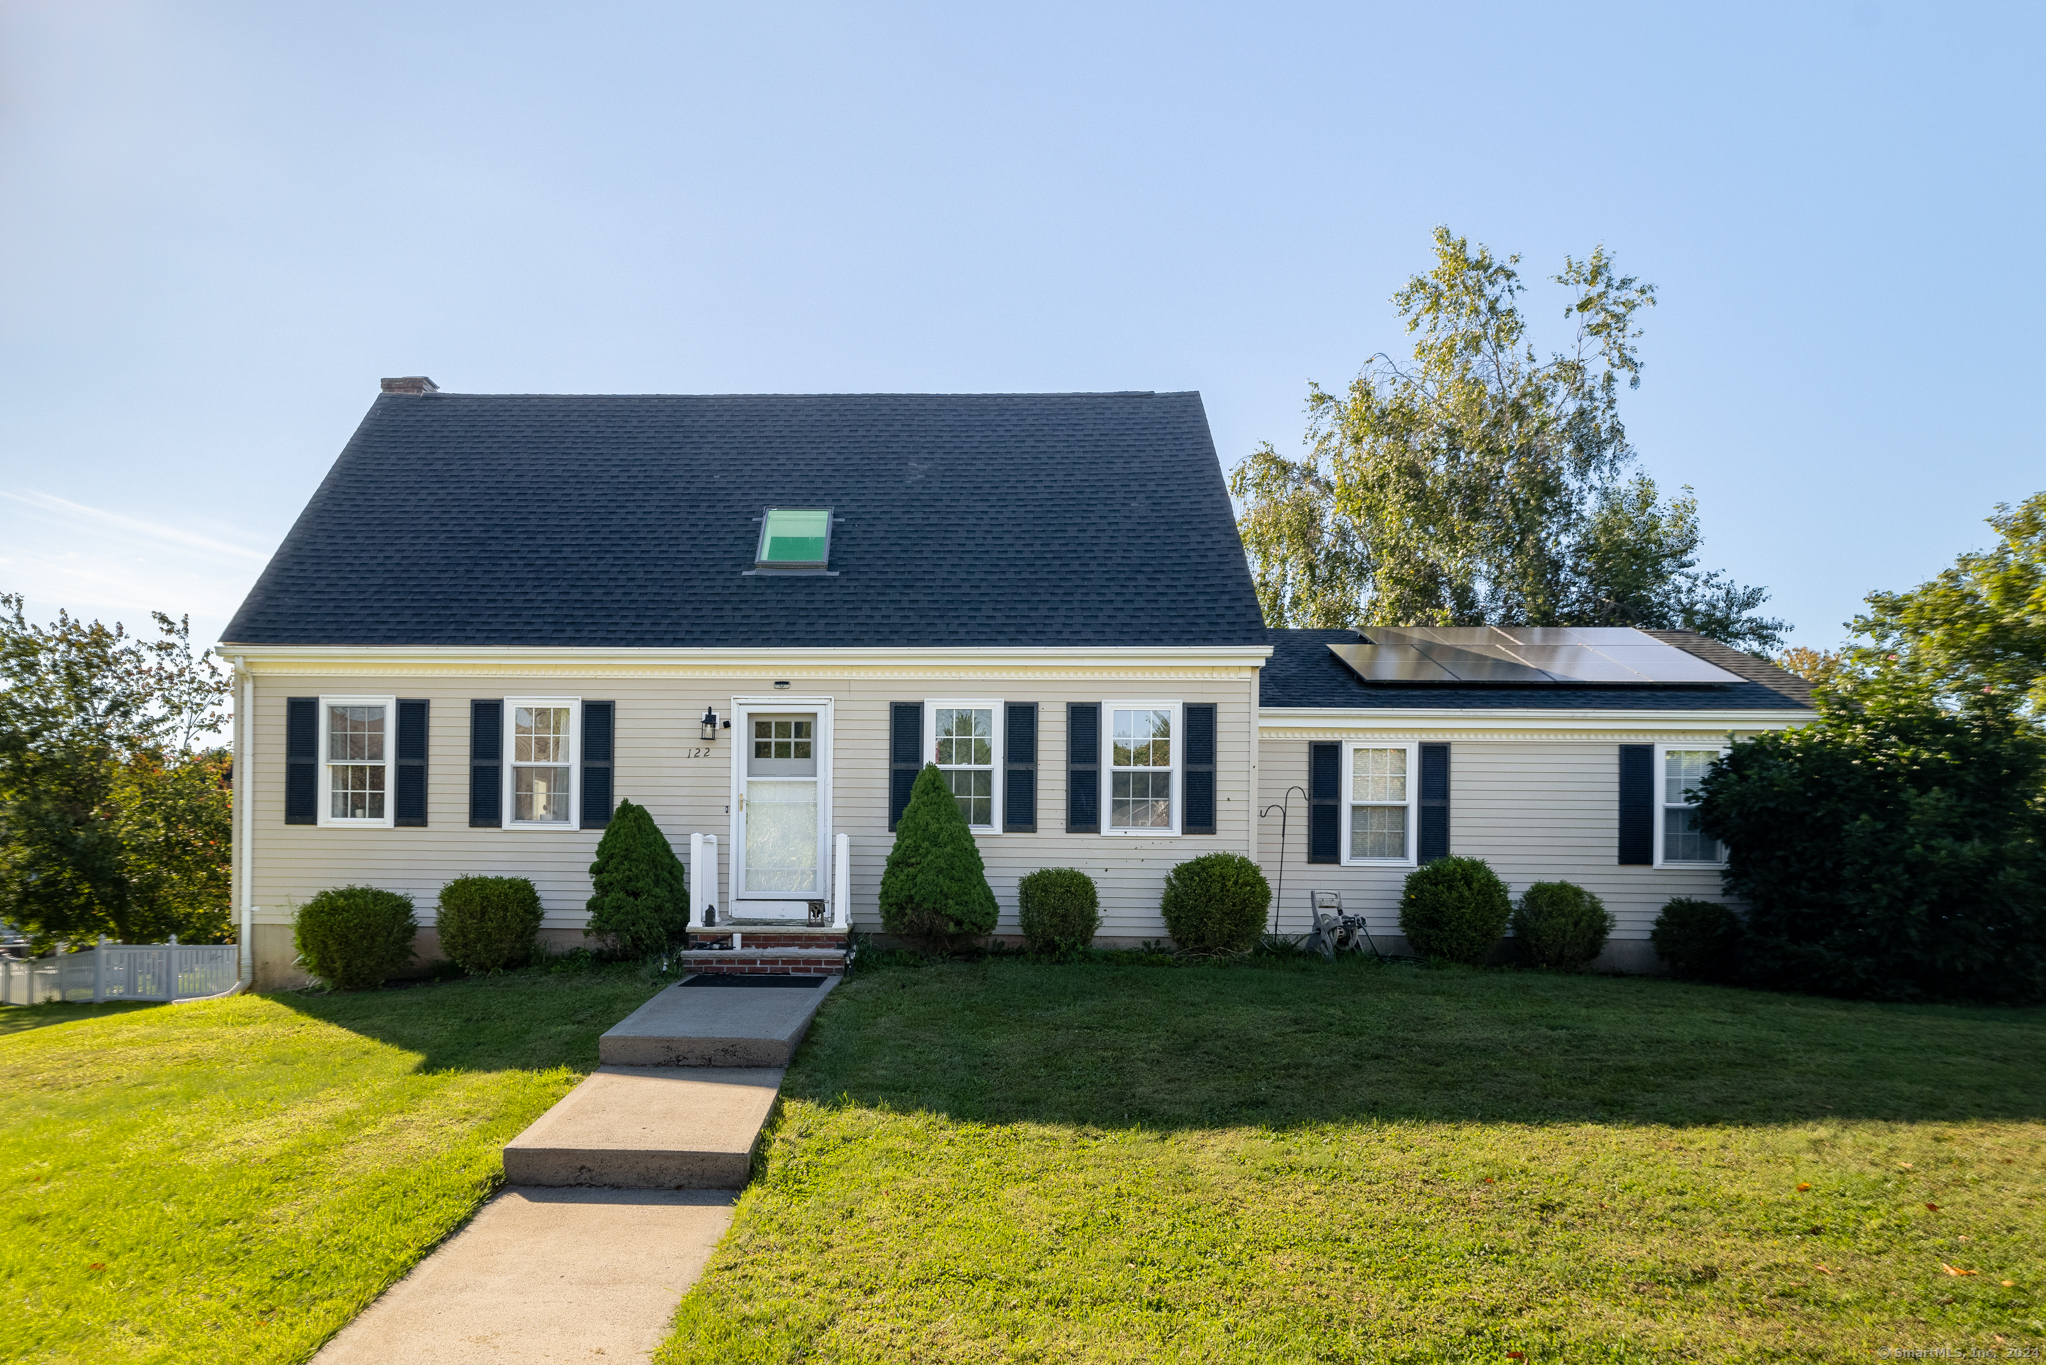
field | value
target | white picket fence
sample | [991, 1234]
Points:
[122, 971]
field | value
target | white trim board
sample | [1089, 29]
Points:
[792, 663]
[1287, 722]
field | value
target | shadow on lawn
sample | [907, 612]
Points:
[1114, 1046]
[531, 1020]
[23, 1018]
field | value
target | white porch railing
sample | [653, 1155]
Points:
[123, 971]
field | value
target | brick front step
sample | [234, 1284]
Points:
[773, 938]
[767, 961]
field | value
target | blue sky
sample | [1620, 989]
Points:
[220, 224]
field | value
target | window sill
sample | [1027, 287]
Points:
[357, 824]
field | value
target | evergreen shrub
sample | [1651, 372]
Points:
[487, 924]
[1216, 903]
[1699, 940]
[355, 937]
[1560, 926]
[1060, 910]
[934, 888]
[1894, 851]
[641, 900]
[1455, 908]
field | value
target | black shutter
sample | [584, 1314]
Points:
[1324, 802]
[1019, 764]
[1083, 767]
[1433, 840]
[1199, 758]
[905, 754]
[408, 807]
[486, 753]
[1637, 805]
[301, 760]
[598, 743]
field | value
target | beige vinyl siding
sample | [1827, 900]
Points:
[1537, 808]
[656, 722]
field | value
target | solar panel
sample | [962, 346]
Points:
[1524, 656]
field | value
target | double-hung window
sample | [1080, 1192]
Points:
[964, 740]
[1379, 788]
[356, 735]
[539, 747]
[1143, 767]
[1678, 840]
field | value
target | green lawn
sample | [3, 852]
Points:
[1005, 1161]
[233, 1180]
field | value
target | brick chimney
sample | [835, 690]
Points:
[417, 383]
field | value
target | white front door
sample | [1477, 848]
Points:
[781, 809]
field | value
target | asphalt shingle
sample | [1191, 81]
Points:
[989, 520]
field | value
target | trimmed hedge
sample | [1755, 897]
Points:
[355, 937]
[1700, 940]
[934, 888]
[1455, 908]
[1560, 926]
[1216, 903]
[642, 892]
[487, 924]
[1060, 910]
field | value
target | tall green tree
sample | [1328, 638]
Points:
[1975, 635]
[1897, 847]
[1477, 483]
[111, 821]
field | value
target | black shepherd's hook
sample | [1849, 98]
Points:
[1279, 897]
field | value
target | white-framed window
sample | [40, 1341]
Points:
[964, 738]
[357, 736]
[1140, 767]
[1380, 782]
[540, 739]
[1679, 768]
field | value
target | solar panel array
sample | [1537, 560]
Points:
[1523, 656]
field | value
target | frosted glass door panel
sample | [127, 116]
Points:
[781, 838]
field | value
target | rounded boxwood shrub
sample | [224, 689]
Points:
[934, 888]
[1560, 926]
[1455, 908]
[1060, 910]
[1699, 940]
[641, 892]
[489, 923]
[1216, 903]
[355, 937]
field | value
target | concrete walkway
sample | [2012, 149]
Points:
[618, 1195]
[545, 1276]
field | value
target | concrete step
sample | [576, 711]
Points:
[693, 1026]
[650, 1128]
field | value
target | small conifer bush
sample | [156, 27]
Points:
[1455, 908]
[934, 888]
[1060, 911]
[1698, 939]
[641, 900]
[1216, 903]
[355, 937]
[1560, 926]
[487, 924]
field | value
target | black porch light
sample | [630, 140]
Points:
[710, 723]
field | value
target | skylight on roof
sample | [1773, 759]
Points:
[794, 538]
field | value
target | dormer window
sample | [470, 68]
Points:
[794, 538]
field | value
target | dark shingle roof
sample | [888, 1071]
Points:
[1024, 519]
[1302, 672]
